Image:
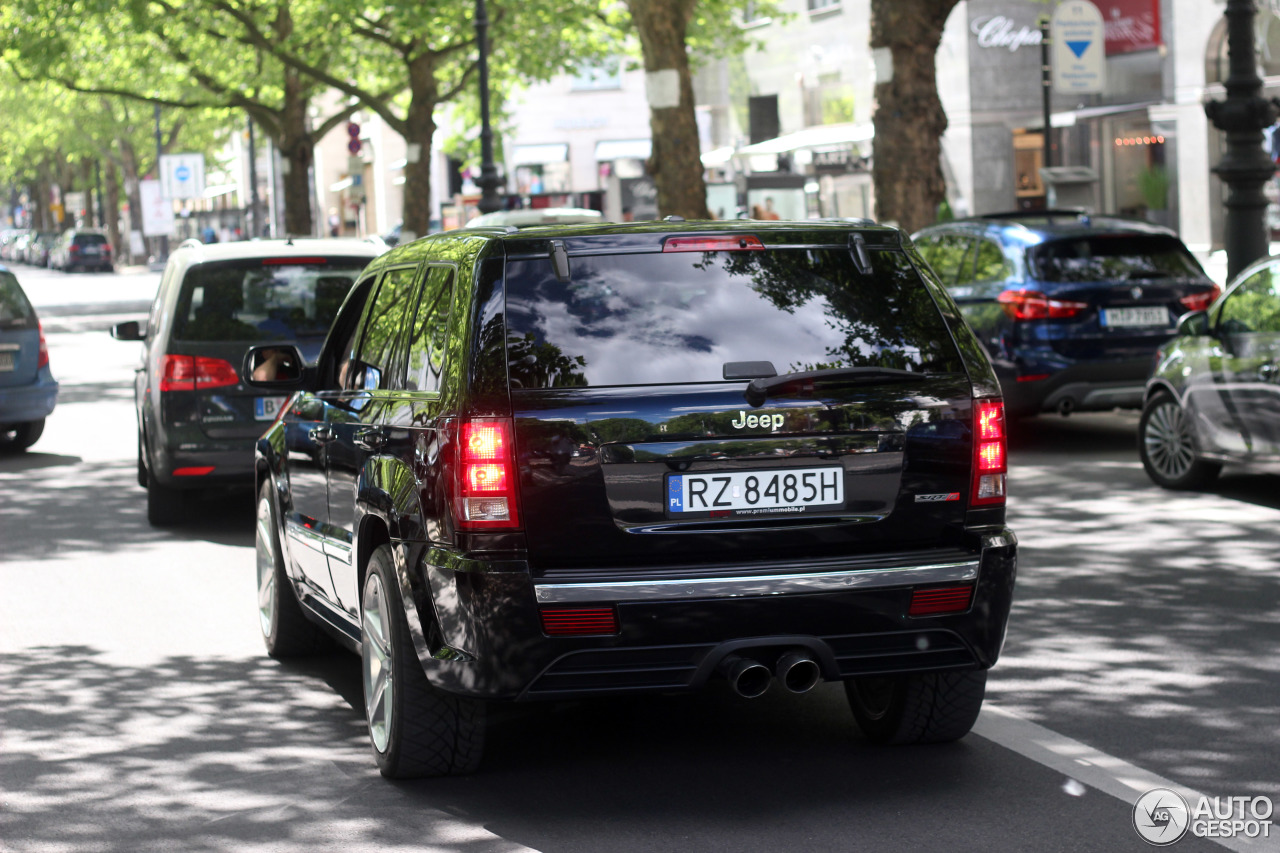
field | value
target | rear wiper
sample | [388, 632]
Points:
[758, 390]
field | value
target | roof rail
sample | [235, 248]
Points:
[191, 243]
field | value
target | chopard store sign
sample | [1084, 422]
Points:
[997, 31]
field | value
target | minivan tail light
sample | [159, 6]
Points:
[1200, 301]
[485, 481]
[990, 453]
[743, 243]
[579, 621]
[42, 359]
[1034, 305]
[190, 373]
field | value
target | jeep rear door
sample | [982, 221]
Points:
[637, 441]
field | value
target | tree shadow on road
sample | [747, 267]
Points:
[229, 755]
[60, 503]
[1145, 621]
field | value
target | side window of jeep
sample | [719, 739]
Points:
[430, 331]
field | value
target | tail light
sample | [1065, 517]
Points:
[485, 479]
[990, 453]
[42, 360]
[743, 243]
[1200, 301]
[1034, 305]
[195, 373]
[73, 249]
[939, 600]
[579, 621]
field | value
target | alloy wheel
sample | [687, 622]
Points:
[264, 545]
[375, 655]
[1167, 440]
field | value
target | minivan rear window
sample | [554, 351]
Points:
[15, 310]
[1113, 257]
[253, 300]
[679, 317]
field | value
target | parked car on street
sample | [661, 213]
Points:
[1214, 393]
[1070, 307]
[571, 461]
[196, 420]
[82, 249]
[28, 391]
[38, 249]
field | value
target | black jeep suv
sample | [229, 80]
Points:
[577, 460]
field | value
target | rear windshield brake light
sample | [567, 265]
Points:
[743, 243]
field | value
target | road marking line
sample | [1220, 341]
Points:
[1108, 774]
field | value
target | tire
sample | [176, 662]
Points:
[19, 437]
[931, 707]
[142, 465]
[165, 506]
[1167, 446]
[415, 729]
[286, 630]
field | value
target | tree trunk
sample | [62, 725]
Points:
[112, 178]
[420, 128]
[909, 121]
[676, 160]
[296, 145]
[129, 170]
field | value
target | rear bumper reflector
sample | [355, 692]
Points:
[933, 602]
[193, 472]
[579, 621]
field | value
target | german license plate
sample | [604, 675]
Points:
[91, 250]
[1154, 316]
[755, 492]
[266, 408]
[6, 362]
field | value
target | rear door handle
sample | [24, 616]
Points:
[369, 438]
[321, 434]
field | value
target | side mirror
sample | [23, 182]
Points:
[1194, 324]
[273, 366]
[130, 331]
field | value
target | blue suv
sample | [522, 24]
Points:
[1070, 307]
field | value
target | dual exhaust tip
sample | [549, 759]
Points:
[795, 670]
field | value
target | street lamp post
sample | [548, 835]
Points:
[1245, 167]
[488, 182]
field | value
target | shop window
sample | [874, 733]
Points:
[823, 5]
[1028, 157]
[535, 179]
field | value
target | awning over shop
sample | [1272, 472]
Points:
[220, 189]
[717, 156]
[813, 137]
[1070, 117]
[539, 155]
[623, 149]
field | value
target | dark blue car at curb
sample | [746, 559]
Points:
[28, 391]
[1070, 307]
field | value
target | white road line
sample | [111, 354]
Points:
[1108, 774]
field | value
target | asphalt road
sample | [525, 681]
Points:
[138, 711]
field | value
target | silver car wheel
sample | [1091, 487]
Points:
[375, 654]
[264, 544]
[1168, 441]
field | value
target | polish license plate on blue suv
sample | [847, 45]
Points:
[266, 408]
[1155, 316]
[755, 492]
